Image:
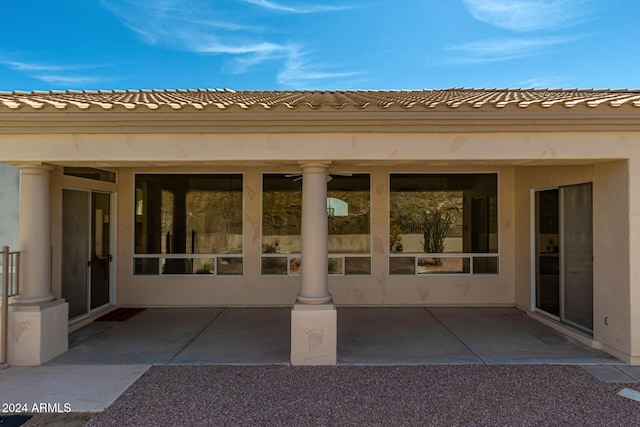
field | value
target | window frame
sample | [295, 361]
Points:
[292, 256]
[464, 255]
[161, 256]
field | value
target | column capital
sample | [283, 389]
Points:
[315, 164]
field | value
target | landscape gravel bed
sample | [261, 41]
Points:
[465, 395]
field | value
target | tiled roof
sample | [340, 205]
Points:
[225, 99]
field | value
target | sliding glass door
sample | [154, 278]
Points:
[577, 262]
[86, 253]
[564, 254]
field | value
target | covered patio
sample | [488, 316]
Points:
[366, 336]
[302, 201]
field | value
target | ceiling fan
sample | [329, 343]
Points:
[298, 177]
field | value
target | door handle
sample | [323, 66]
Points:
[110, 258]
[89, 263]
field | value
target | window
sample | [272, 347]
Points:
[90, 173]
[443, 224]
[188, 224]
[348, 211]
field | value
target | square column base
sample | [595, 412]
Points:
[37, 333]
[314, 334]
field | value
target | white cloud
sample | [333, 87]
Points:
[69, 81]
[298, 8]
[503, 49]
[25, 66]
[298, 73]
[528, 15]
[63, 75]
[542, 82]
[200, 27]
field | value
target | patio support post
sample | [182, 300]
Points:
[38, 322]
[314, 317]
[34, 236]
[315, 287]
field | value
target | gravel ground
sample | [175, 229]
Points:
[515, 395]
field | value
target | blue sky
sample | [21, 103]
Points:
[319, 44]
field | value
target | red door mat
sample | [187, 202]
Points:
[120, 314]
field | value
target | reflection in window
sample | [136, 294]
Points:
[182, 214]
[443, 214]
[351, 207]
[348, 209]
[337, 207]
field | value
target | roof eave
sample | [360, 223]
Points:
[509, 118]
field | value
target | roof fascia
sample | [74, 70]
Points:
[417, 120]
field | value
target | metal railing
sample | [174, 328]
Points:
[10, 273]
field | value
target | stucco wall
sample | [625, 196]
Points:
[254, 289]
[610, 244]
[554, 157]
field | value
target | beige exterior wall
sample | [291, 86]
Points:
[167, 149]
[254, 289]
[610, 249]
[524, 161]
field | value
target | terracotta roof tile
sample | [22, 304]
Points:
[223, 99]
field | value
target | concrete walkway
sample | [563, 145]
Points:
[106, 357]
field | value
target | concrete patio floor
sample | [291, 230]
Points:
[107, 357]
[411, 335]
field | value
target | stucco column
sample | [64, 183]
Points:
[315, 288]
[314, 321]
[34, 236]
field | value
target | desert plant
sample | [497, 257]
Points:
[268, 249]
[206, 268]
[333, 265]
[395, 239]
[436, 225]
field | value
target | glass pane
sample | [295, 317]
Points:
[146, 266]
[443, 213]
[281, 213]
[185, 213]
[429, 265]
[204, 265]
[357, 266]
[100, 248]
[177, 266]
[90, 173]
[75, 250]
[274, 265]
[578, 255]
[402, 265]
[349, 210]
[335, 266]
[294, 266]
[485, 265]
[547, 251]
[230, 266]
